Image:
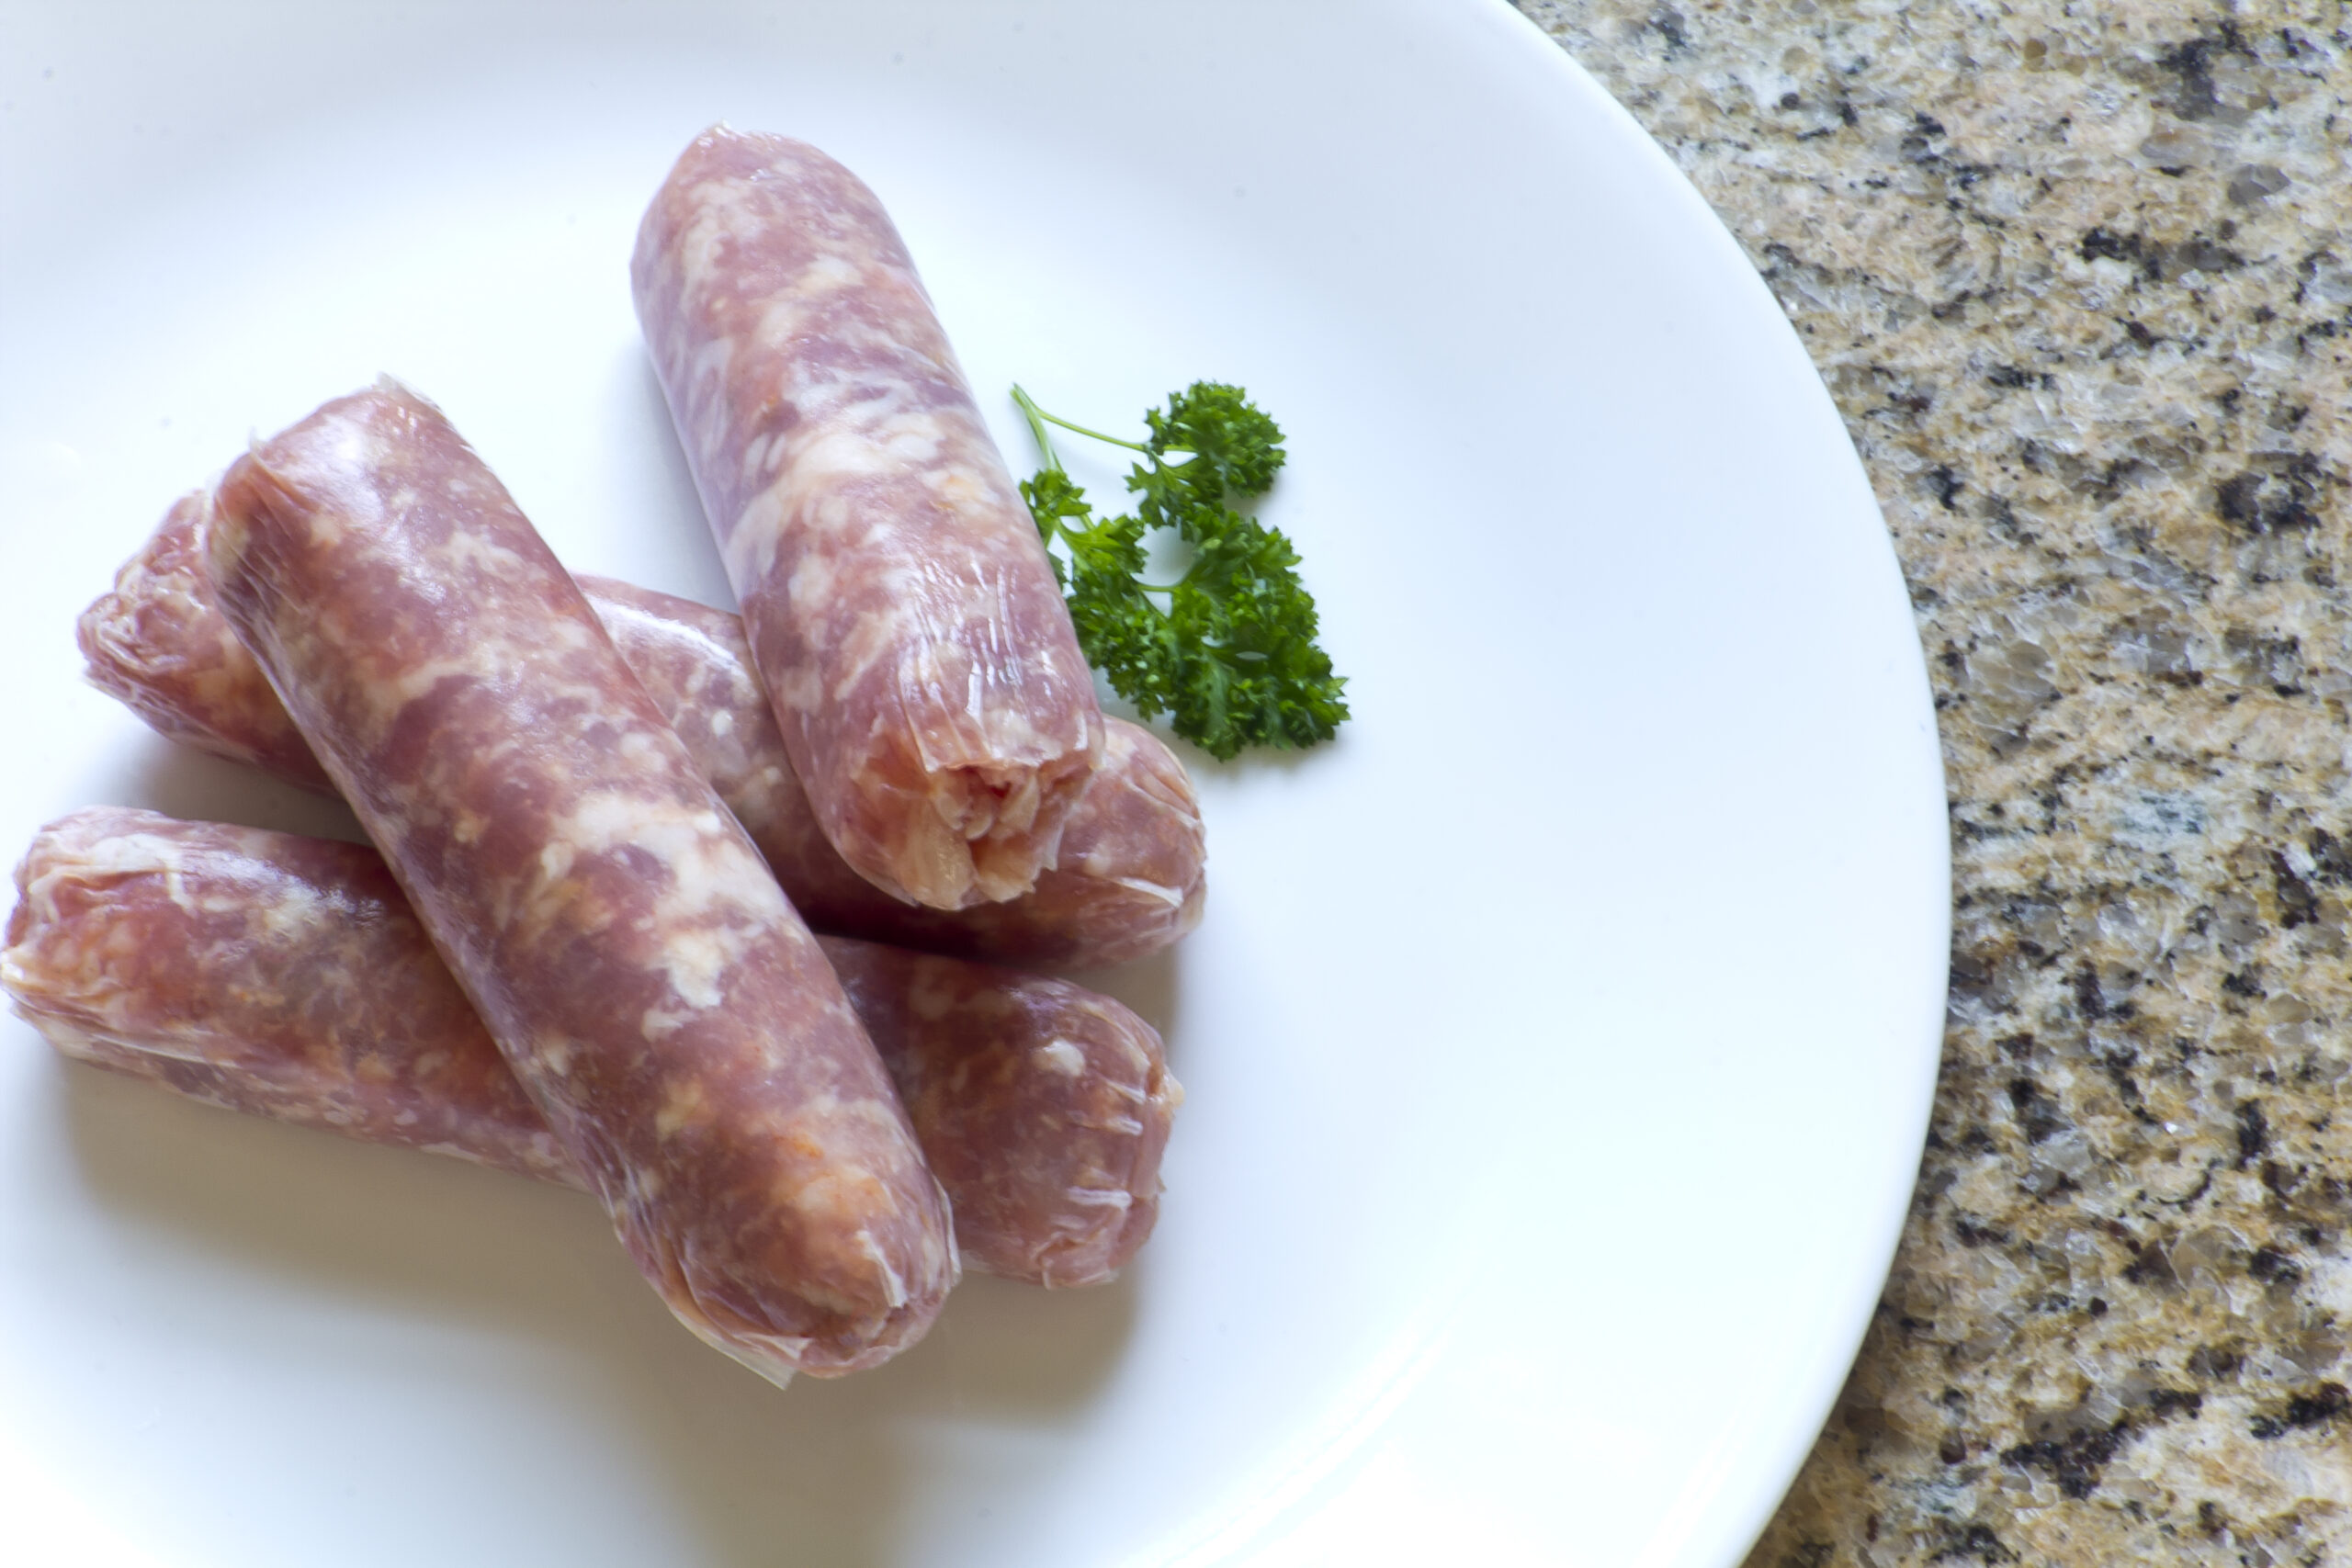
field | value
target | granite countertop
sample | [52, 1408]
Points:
[2079, 279]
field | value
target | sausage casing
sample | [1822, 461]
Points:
[657, 999]
[900, 604]
[286, 977]
[1130, 881]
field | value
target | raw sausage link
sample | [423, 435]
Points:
[1130, 882]
[905, 620]
[1078, 1073]
[159, 645]
[1132, 854]
[658, 999]
[286, 977]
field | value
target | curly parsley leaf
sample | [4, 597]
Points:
[1235, 449]
[1227, 650]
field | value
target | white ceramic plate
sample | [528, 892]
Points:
[1559, 1043]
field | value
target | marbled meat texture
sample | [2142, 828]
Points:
[658, 999]
[286, 978]
[1131, 879]
[905, 618]
[159, 645]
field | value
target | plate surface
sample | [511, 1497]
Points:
[1558, 1043]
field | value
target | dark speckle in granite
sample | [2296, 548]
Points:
[2079, 276]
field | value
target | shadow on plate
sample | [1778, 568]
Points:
[824, 1474]
[1151, 987]
[672, 500]
[196, 786]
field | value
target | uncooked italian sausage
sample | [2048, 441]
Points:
[905, 618]
[286, 977]
[661, 1004]
[1130, 881]
[159, 645]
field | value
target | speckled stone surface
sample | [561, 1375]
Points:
[2079, 277]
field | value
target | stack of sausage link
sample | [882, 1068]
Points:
[572, 957]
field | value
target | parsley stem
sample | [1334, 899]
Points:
[1029, 407]
[1130, 445]
[1036, 417]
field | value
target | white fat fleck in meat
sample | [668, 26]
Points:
[682, 838]
[842, 454]
[722, 723]
[480, 660]
[830, 511]
[641, 749]
[722, 211]
[695, 962]
[469, 549]
[1100, 1197]
[291, 909]
[802, 690]
[930, 999]
[810, 586]
[836, 1134]
[718, 901]
[962, 488]
[1061, 1057]
[913, 441]
[830, 273]
[683, 1104]
[785, 317]
[486, 659]
[657, 1022]
[748, 541]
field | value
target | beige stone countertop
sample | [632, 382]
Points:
[2078, 276]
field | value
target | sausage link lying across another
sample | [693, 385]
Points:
[286, 977]
[1130, 881]
[906, 619]
[643, 973]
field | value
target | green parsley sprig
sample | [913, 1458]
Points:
[1227, 650]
